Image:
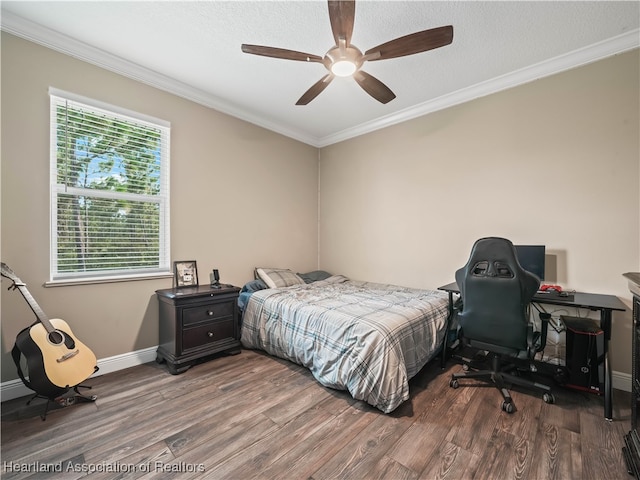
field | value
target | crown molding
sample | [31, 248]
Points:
[592, 53]
[33, 32]
[48, 38]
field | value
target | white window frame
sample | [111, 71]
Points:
[163, 269]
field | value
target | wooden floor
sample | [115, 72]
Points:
[252, 416]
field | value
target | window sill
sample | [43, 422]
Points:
[115, 279]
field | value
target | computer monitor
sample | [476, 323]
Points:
[531, 258]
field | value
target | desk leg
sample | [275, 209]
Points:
[605, 325]
[608, 394]
[445, 342]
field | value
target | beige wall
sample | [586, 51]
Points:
[241, 197]
[553, 162]
[556, 162]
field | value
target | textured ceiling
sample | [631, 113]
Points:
[193, 49]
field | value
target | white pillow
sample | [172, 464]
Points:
[278, 277]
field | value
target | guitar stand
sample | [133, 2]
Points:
[65, 400]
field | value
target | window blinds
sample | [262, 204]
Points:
[109, 190]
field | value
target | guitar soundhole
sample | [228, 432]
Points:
[56, 337]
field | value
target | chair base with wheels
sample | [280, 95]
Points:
[501, 375]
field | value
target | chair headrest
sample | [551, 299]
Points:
[495, 257]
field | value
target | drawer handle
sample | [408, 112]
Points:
[210, 334]
[210, 313]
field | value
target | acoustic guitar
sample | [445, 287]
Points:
[56, 359]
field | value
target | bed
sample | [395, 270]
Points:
[367, 338]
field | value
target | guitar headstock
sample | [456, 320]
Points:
[5, 271]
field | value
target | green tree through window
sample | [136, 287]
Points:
[109, 192]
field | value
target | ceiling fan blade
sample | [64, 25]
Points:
[374, 87]
[315, 89]
[414, 43]
[280, 53]
[341, 15]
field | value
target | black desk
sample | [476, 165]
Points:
[605, 304]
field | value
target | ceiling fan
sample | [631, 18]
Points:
[344, 59]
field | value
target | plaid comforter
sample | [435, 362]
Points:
[367, 338]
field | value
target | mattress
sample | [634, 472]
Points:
[367, 338]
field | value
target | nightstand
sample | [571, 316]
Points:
[196, 322]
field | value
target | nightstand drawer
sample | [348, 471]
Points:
[209, 333]
[207, 312]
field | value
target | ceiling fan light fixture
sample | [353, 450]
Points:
[343, 68]
[346, 60]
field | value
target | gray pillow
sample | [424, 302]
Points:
[278, 277]
[314, 276]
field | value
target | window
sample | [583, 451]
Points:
[109, 191]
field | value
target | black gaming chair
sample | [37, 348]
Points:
[494, 318]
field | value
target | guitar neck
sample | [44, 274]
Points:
[35, 307]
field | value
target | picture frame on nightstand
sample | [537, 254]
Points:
[185, 273]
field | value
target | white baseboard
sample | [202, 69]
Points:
[621, 381]
[15, 388]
